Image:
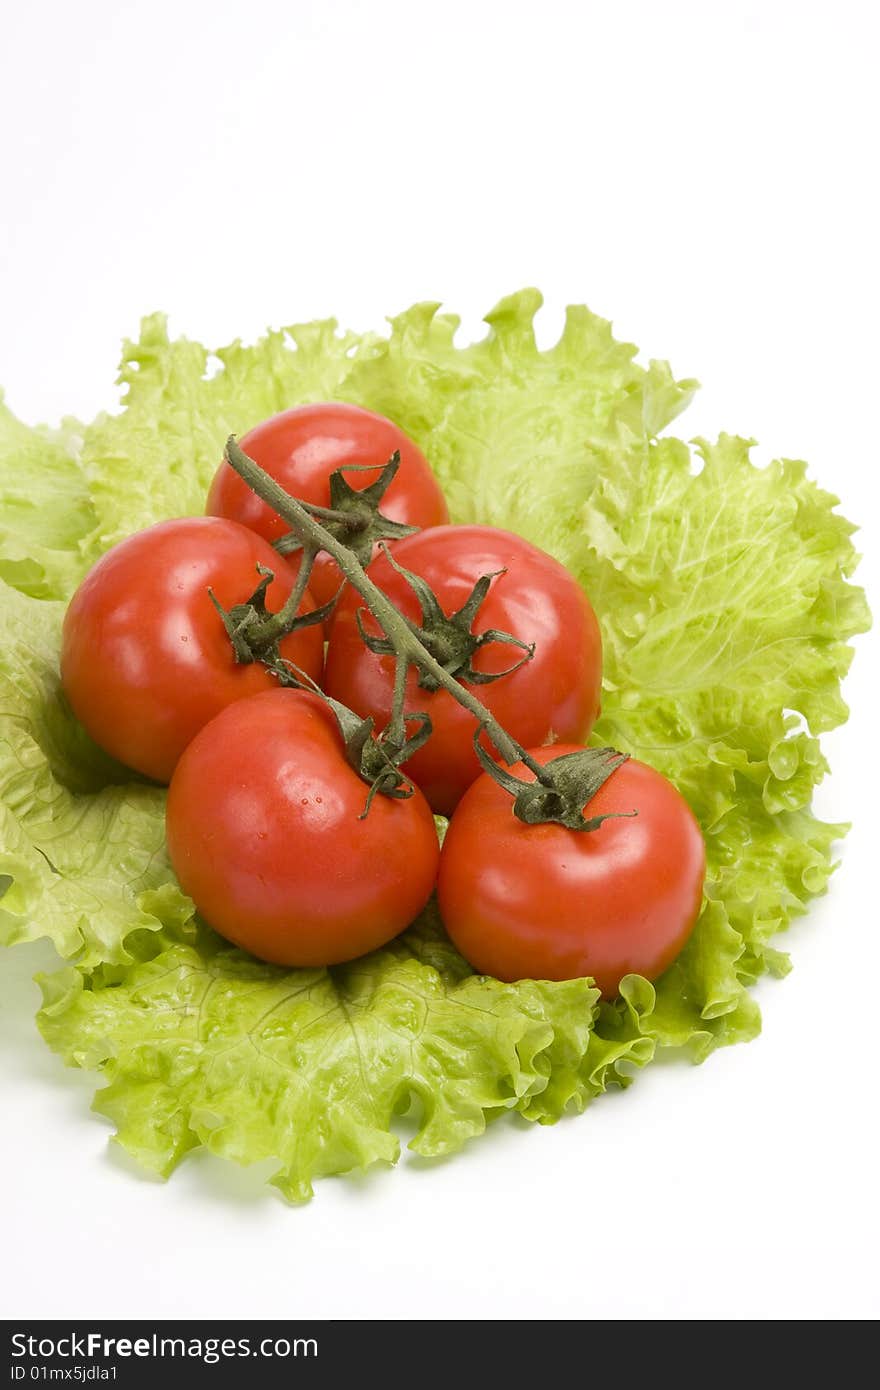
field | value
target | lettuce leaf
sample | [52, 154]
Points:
[724, 596]
[722, 592]
[80, 841]
[157, 458]
[202, 1044]
[518, 437]
[45, 508]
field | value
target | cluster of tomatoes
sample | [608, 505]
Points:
[265, 816]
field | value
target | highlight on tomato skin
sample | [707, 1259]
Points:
[266, 835]
[553, 697]
[301, 447]
[545, 902]
[145, 659]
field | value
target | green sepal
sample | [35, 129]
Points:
[353, 517]
[562, 787]
[255, 632]
[449, 639]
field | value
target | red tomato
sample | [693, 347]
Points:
[554, 696]
[145, 658]
[543, 902]
[300, 448]
[264, 834]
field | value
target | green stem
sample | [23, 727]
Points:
[407, 646]
[265, 634]
[397, 723]
[326, 513]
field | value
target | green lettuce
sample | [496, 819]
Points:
[45, 508]
[157, 458]
[724, 596]
[202, 1044]
[81, 841]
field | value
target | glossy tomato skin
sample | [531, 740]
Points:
[301, 447]
[554, 696]
[145, 659]
[264, 834]
[542, 902]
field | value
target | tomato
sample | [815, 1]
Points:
[543, 902]
[264, 832]
[300, 448]
[554, 696]
[145, 658]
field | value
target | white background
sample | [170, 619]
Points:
[704, 174]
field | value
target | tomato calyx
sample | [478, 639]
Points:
[377, 758]
[449, 640]
[353, 517]
[255, 632]
[563, 788]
